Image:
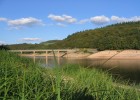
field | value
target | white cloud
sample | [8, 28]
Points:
[103, 19]
[30, 39]
[135, 18]
[100, 20]
[119, 19]
[3, 19]
[63, 18]
[83, 21]
[60, 24]
[2, 42]
[123, 19]
[24, 22]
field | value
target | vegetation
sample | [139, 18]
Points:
[3, 47]
[117, 36]
[50, 42]
[21, 79]
[26, 46]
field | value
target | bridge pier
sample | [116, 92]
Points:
[20, 52]
[45, 53]
[58, 53]
[46, 57]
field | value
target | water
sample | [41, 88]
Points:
[122, 69]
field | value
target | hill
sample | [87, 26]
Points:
[116, 36]
[25, 46]
[50, 42]
[112, 37]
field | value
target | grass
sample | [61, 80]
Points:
[21, 79]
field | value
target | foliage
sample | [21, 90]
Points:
[26, 46]
[3, 47]
[50, 42]
[20, 79]
[117, 36]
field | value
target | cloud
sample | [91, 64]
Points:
[63, 18]
[99, 20]
[2, 42]
[3, 19]
[60, 24]
[83, 21]
[30, 39]
[119, 19]
[57, 24]
[24, 22]
[123, 19]
[135, 18]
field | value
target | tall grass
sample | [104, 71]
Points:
[21, 79]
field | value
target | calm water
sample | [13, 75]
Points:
[125, 69]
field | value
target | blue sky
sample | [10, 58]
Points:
[34, 21]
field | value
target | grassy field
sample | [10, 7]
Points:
[21, 79]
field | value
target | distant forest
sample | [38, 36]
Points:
[114, 37]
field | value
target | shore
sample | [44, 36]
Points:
[116, 54]
[77, 55]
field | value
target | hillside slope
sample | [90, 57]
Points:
[49, 42]
[117, 36]
[112, 37]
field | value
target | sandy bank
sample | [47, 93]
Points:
[77, 55]
[116, 54]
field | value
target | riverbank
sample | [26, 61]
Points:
[77, 55]
[116, 54]
[20, 78]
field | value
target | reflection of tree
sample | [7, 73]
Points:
[3, 47]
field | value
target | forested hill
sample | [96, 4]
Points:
[117, 36]
[42, 45]
[50, 42]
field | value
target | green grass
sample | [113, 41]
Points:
[21, 79]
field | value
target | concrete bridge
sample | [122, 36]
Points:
[46, 53]
[51, 53]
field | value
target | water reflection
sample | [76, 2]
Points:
[126, 64]
[126, 69]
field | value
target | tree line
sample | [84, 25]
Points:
[114, 37]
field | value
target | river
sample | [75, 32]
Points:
[120, 69]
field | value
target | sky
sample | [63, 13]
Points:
[35, 21]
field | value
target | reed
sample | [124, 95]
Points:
[21, 79]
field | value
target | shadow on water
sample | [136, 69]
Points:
[120, 69]
[131, 75]
[128, 70]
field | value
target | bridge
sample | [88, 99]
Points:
[46, 53]
[50, 53]
[56, 52]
